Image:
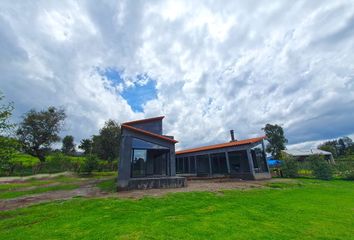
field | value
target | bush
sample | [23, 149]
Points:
[289, 167]
[90, 164]
[344, 169]
[321, 169]
[57, 162]
[349, 175]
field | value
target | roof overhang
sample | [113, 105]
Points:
[222, 145]
[144, 120]
[138, 130]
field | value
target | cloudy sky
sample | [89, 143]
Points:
[208, 66]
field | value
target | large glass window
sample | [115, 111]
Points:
[138, 165]
[259, 159]
[238, 162]
[185, 165]
[218, 163]
[192, 164]
[179, 165]
[148, 159]
[139, 143]
[202, 164]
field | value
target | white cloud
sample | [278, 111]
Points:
[218, 65]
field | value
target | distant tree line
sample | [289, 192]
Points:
[338, 147]
[39, 130]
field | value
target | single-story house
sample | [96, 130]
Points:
[302, 154]
[244, 159]
[148, 158]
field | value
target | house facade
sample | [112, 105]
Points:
[244, 159]
[147, 157]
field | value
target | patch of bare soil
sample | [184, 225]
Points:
[211, 185]
[87, 189]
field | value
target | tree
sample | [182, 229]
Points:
[68, 146]
[86, 145]
[5, 114]
[330, 146]
[106, 144]
[276, 139]
[339, 147]
[8, 145]
[38, 130]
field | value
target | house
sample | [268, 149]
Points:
[147, 157]
[244, 159]
[302, 154]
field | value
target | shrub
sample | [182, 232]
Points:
[321, 169]
[289, 167]
[90, 164]
[344, 169]
[57, 162]
[349, 175]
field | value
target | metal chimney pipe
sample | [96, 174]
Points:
[232, 135]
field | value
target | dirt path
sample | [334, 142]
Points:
[89, 189]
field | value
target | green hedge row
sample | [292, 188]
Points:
[316, 167]
[24, 164]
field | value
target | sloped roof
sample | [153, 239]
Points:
[148, 133]
[144, 120]
[222, 145]
[306, 152]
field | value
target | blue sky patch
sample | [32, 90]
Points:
[137, 95]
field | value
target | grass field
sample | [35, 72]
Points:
[306, 209]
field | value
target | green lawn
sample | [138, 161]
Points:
[309, 209]
[16, 194]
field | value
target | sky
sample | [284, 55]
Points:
[207, 66]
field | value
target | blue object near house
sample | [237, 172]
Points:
[274, 162]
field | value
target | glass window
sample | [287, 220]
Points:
[192, 164]
[259, 159]
[238, 161]
[218, 163]
[148, 159]
[139, 143]
[179, 165]
[185, 165]
[157, 159]
[202, 164]
[139, 161]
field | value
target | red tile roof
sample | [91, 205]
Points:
[222, 145]
[148, 133]
[144, 120]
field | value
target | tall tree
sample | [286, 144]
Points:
[68, 146]
[106, 144]
[276, 139]
[329, 146]
[5, 114]
[8, 145]
[38, 130]
[86, 145]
